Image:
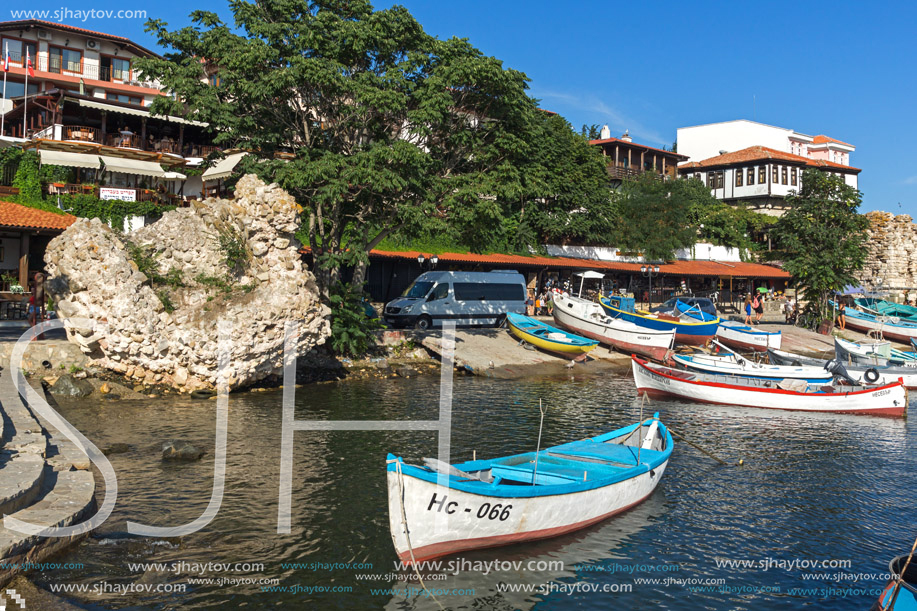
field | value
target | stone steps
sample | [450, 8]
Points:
[44, 480]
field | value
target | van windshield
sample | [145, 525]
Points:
[418, 289]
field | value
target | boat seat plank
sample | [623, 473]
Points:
[615, 452]
[553, 469]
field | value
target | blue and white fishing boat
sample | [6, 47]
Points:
[441, 509]
[692, 331]
[742, 337]
[871, 352]
[735, 365]
[862, 374]
[899, 595]
[693, 312]
[548, 338]
[891, 327]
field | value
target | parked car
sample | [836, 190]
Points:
[705, 304]
[468, 298]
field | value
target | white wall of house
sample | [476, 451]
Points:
[702, 251]
[705, 141]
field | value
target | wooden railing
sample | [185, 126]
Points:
[81, 133]
[124, 140]
[57, 188]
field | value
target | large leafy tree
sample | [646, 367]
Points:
[568, 188]
[822, 238]
[388, 127]
[655, 216]
[720, 223]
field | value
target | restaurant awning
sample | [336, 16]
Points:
[136, 112]
[70, 160]
[132, 166]
[174, 176]
[224, 168]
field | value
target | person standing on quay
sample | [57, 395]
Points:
[758, 307]
[748, 310]
[37, 302]
[841, 315]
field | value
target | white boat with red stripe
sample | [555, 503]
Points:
[665, 382]
[442, 509]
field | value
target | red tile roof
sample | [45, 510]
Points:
[763, 153]
[823, 139]
[23, 217]
[643, 146]
[25, 23]
[734, 269]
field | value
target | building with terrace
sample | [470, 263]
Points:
[628, 159]
[760, 176]
[87, 109]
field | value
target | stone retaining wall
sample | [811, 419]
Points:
[892, 258]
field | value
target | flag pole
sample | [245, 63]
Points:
[5, 70]
[25, 98]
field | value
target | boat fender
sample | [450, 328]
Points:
[203, 394]
[871, 375]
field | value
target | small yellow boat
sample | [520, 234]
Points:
[548, 338]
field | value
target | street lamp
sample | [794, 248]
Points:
[433, 260]
[648, 271]
[421, 259]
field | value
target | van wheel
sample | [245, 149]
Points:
[423, 323]
[501, 321]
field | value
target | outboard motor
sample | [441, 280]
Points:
[837, 368]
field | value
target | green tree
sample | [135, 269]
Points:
[822, 239]
[655, 216]
[569, 199]
[720, 223]
[27, 178]
[591, 132]
[388, 127]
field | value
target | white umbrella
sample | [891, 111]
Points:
[587, 274]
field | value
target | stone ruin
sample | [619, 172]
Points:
[892, 258]
[164, 329]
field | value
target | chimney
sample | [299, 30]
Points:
[605, 134]
[626, 137]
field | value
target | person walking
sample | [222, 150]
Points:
[37, 302]
[842, 315]
[757, 305]
[748, 310]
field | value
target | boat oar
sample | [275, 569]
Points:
[894, 596]
[708, 453]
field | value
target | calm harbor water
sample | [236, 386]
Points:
[813, 488]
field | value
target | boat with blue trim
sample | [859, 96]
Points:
[733, 364]
[742, 337]
[442, 509]
[691, 331]
[899, 595]
[863, 374]
[549, 338]
[872, 352]
[881, 307]
[891, 327]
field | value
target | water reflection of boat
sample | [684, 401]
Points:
[597, 550]
[442, 509]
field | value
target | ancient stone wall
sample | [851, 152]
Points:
[892, 258]
[166, 332]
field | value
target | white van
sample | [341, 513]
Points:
[468, 298]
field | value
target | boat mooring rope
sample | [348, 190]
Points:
[407, 535]
[898, 583]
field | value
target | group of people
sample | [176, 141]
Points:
[754, 306]
[540, 304]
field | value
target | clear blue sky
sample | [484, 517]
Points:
[843, 69]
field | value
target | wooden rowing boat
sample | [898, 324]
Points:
[443, 509]
[665, 382]
[692, 332]
[733, 364]
[544, 336]
[588, 319]
[742, 337]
